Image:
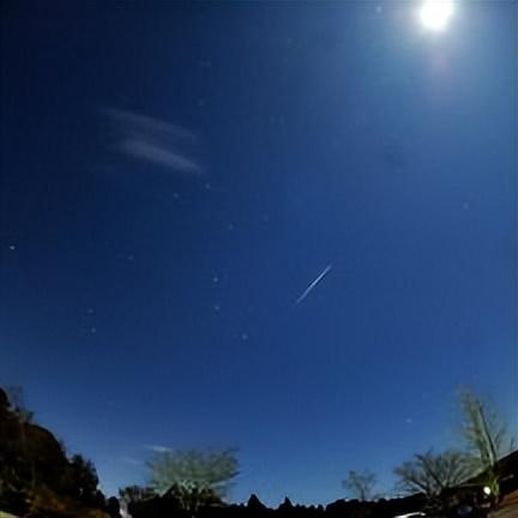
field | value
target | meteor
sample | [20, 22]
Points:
[308, 290]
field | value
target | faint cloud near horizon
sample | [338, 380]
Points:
[156, 448]
[155, 141]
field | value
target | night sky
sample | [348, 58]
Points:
[174, 176]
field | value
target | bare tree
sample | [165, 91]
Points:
[485, 436]
[135, 493]
[360, 484]
[432, 473]
[193, 470]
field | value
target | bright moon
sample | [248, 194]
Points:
[435, 14]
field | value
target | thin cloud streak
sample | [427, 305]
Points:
[155, 141]
[160, 156]
[158, 448]
[149, 124]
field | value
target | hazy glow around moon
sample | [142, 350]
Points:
[435, 14]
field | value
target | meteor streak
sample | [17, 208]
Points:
[308, 290]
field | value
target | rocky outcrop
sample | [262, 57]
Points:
[36, 476]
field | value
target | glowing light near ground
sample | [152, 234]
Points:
[435, 14]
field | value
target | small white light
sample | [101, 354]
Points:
[487, 490]
[435, 14]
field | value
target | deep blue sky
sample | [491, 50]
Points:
[175, 175]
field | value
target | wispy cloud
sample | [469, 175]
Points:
[161, 143]
[158, 448]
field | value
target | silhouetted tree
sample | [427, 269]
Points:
[254, 504]
[130, 494]
[113, 507]
[360, 485]
[432, 474]
[192, 478]
[192, 498]
[193, 469]
[82, 482]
